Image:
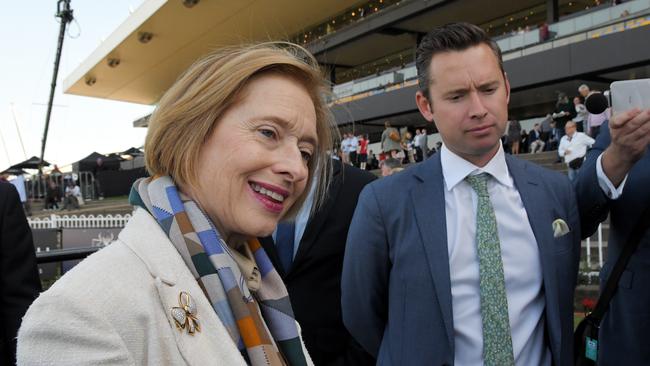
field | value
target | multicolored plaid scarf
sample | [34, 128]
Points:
[261, 323]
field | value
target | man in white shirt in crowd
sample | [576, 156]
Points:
[416, 143]
[353, 144]
[345, 148]
[19, 183]
[573, 148]
[424, 144]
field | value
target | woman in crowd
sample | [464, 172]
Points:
[514, 136]
[230, 149]
[390, 141]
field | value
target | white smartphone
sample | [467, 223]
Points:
[629, 94]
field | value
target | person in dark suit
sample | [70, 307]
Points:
[19, 282]
[614, 181]
[313, 277]
[476, 261]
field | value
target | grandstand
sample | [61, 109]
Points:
[367, 48]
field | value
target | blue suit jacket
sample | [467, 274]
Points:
[396, 291]
[624, 330]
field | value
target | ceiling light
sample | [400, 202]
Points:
[145, 37]
[190, 3]
[113, 62]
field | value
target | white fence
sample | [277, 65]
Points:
[82, 221]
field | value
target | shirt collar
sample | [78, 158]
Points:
[455, 168]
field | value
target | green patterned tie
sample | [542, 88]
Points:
[497, 341]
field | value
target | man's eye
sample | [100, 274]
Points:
[306, 156]
[266, 132]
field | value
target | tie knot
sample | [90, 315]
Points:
[478, 183]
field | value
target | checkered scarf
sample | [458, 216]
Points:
[262, 323]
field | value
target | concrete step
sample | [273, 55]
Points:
[550, 155]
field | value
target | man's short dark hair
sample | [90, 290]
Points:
[393, 163]
[449, 37]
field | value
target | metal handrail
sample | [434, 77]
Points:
[60, 255]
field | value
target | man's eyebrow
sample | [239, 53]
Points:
[463, 90]
[456, 91]
[313, 140]
[489, 84]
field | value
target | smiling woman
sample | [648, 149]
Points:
[230, 148]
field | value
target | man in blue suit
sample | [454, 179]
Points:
[477, 262]
[615, 180]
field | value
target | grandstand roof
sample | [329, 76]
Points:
[147, 52]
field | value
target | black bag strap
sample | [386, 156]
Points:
[612, 282]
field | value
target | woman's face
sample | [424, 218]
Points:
[253, 167]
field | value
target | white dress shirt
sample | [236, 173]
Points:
[354, 144]
[605, 184]
[519, 252]
[345, 145]
[19, 183]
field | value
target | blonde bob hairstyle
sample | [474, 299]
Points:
[189, 111]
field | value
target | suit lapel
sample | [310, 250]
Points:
[316, 222]
[540, 217]
[432, 224]
[171, 276]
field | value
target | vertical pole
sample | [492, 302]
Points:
[600, 245]
[65, 13]
[589, 254]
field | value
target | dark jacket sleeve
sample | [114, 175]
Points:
[592, 202]
[19, 281]
[366, 266]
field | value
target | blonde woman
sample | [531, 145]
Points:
[230, 148]
[390, 140]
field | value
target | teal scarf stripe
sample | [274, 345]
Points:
[292, 350]
[135, 199]
[203, 265]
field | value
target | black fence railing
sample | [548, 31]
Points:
[60, 255]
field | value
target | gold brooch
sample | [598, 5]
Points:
[185, 315]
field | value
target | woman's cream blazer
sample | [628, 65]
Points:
[114, 308]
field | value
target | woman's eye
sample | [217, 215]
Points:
[306, 156]
[266, 132]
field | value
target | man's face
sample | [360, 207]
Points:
[570, 129]
[584, 92]
[468, 101]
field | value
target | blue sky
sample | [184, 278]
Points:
[79, 125]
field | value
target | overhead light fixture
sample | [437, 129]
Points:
[113, 62]
[190, 3]
[90, 80]
[145, 37]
